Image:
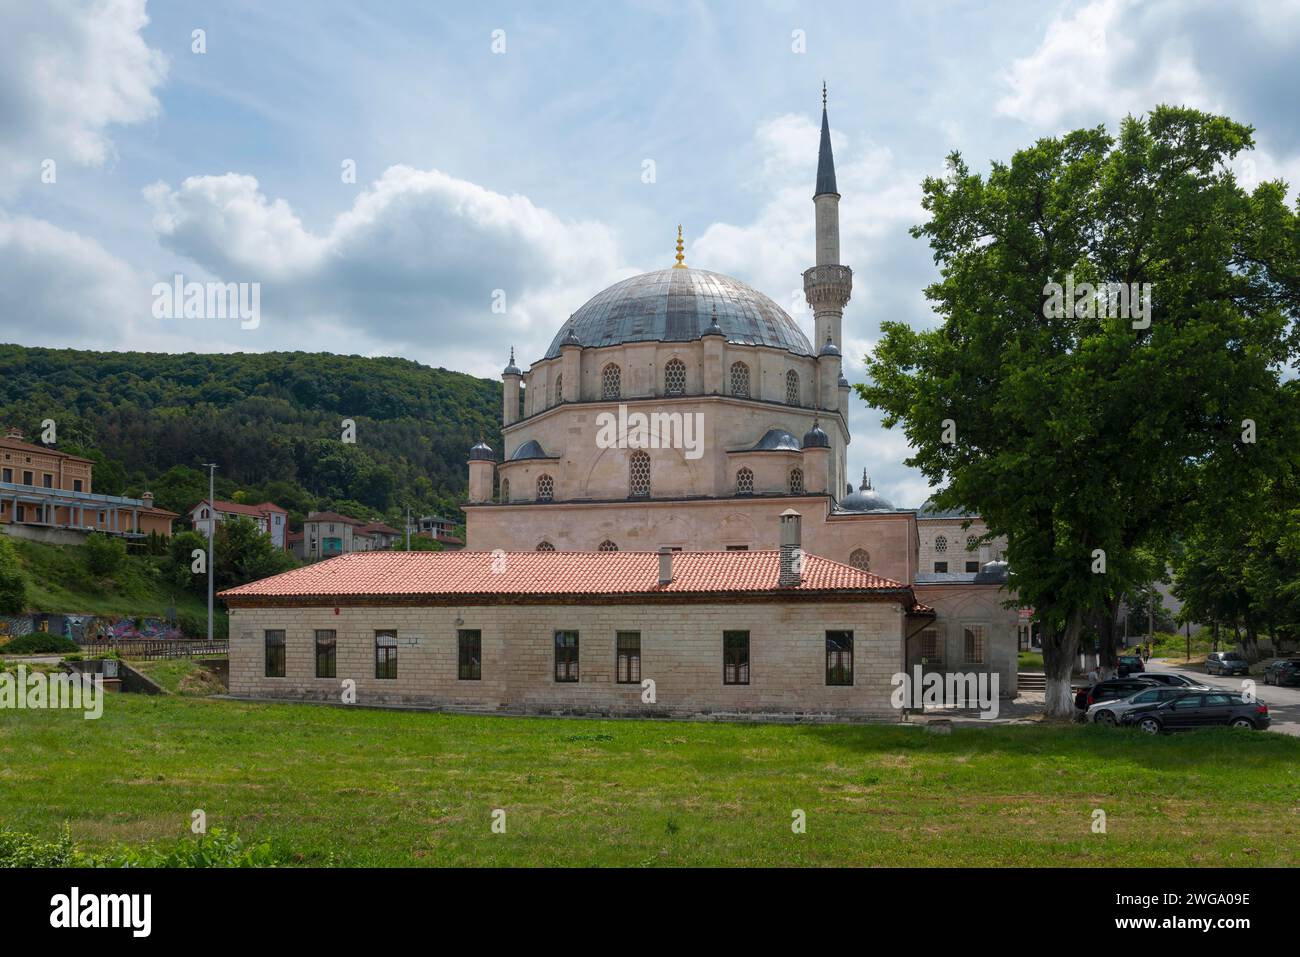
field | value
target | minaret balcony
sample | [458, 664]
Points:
[828, 285]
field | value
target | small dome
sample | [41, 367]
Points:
[511, 369]
[829, 349]
[865, 499]
[994, 572]
[482, 452]
[532, 449]
[815, 438]
[844, 383]
[777, 440]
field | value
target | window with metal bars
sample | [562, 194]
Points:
[627, 657]
[275, 653]
[386, 654]
[326, 653]
[566, 656]
[839, 657]
[735, 657]
[675, 377]
[545, 488]
[745, 482]
[792, 387]
[639, 475]
[469, 654]
[611, 382]
[941, 543]
[931, 650]
[796, 481]
[740, 379]
[607, 546]
[973, 642]
[559, 389]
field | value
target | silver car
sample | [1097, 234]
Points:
[1108, 712]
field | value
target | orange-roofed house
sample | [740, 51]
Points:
[271, 519]
[763, 632]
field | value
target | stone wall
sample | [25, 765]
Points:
[681, 650]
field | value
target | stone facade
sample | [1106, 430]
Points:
[681, 651]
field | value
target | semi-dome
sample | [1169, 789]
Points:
[678, 305]
[532, 449]
[816, 438]
[777, 440]
[865, 499]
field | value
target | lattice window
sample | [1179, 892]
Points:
[860, 559]
[545, 488]
[796, 481]
[941, 544]
[792, 387]
[611, 382]
[607, 546]
[675, 377]
[545, 547]
[740, 379]
[971, 543]
[559, 389]
[639, 475]
[505, 490]
[745, 482]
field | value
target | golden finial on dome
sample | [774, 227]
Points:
[681, 259]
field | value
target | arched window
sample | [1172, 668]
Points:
[545, 488]
[639, 475]
[971, 543]
[860, 559]
[559, 389]
[745, 482]
[796, 481]
[505, 490]
[610, 382]
[941, 544]
[545, 547]
[792, 387]
[675, 377]
[740, 379]
[607, 546]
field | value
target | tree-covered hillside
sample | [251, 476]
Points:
[271, 421]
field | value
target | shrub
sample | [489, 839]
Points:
[40, 643]
[13, 582]
[214, 849]
[25, 850]
[104, 555]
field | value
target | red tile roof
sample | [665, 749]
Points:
[238, 508]
[332, 517]
[371, 527]
[435, 575]
[18, 445]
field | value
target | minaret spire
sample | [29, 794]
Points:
[825, 158]
[681, 259]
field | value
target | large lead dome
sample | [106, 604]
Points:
[677, 305]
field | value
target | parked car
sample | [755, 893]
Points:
[1130, 664]
[1199, 710]
[1109, 712]
[1226, 663]
[1284, 671]
[1111, 689]
[1172, 680]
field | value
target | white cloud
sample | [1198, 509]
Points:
[413, 265]
[68, 71]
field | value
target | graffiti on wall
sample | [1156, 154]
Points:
[85, 629]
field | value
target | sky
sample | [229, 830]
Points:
[524, 156]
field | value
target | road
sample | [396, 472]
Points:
[1283, 703]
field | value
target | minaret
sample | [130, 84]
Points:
[510, 396]
[828, 284]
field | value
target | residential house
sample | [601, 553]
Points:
[271, 519]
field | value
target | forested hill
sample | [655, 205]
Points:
[271, 421]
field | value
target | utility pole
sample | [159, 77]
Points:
[408, 528]
[212, 524]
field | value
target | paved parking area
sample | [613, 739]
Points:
[1283, 703]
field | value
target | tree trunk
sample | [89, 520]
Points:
[1251, 643]
[1060, 649]
[1103, 620]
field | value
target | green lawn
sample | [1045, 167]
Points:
[179, 675]
[373, 787]
[1030, 661]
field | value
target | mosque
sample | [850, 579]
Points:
[670, 531]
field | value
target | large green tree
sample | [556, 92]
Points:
[1069, 422]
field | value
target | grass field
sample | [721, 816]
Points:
[328, 784]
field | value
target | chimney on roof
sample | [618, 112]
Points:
[13, 432]
[665, 566]
[147, 498]
[791, 550]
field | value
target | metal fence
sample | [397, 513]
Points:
[159, 648]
